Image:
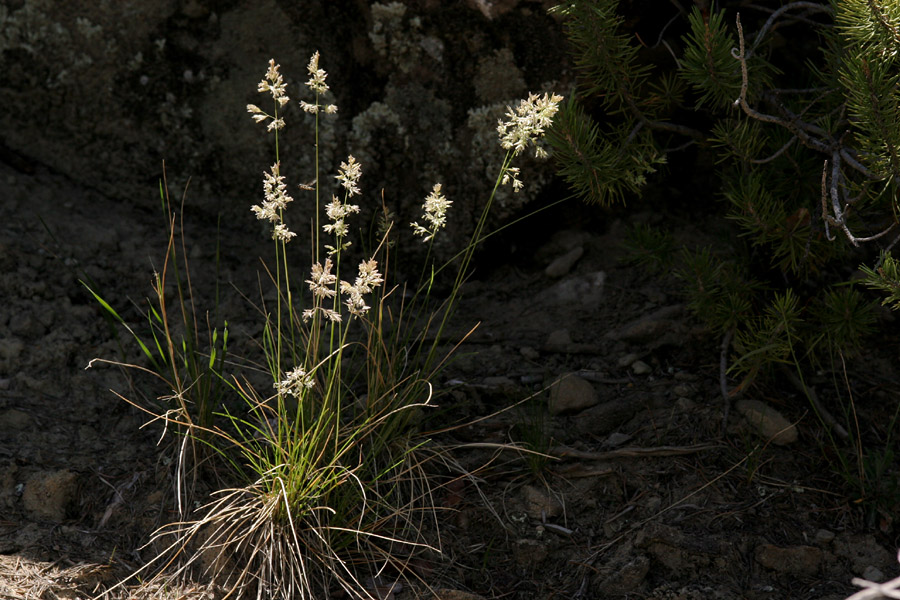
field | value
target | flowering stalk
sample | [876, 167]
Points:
[316, 83]
[524, 127]
[275, 190]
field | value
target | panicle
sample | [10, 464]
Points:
[512, 174]
[367, 280]
[317, 84]
[435, 207]
[526, 124]
[282, 233]
[273, 83]
[337, 211]
[322, 280]
[317, 76]
[294, 382]
[276, 199]
[349, 174]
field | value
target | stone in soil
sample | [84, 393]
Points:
[793, 560]
[563, 264]
[571, 394]
[49, 494]
[769, 423]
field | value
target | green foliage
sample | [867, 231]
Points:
[173, 341]
[594, 163]
[605, 56]
[530, 431]
[707, 64]
[804, 129]
[842, 318]
[715, 289]
[649, 248]
[798, 166]
[886, 279]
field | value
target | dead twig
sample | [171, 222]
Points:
[566, 452]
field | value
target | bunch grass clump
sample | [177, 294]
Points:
[327, 466]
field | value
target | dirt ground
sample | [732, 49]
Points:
[646, 497]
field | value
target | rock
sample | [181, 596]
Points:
[563, 264]
[793, 560]
[823, 536]
[499, 381]
[21, 324]
[873, 574]
[529, 353]
[682, 390]
[627, 360]
[10, 349]
[14, 420]
[605, 417]
[529, 554]
[571, 394]
[640, 367]
[863, 552]
[617, 439]
[768, 422]
[540, 503]
[585, 291]
[626, 578]
[49, 494]
[172, 60]
[659, 327]
[558, 340]
[685, 404]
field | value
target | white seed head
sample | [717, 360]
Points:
[274, 83]
[528, 122]
[349, 174]
[295, 382]
[435, 213]
[368, 279]
[282, 233]
[321, 281]
[317, 76]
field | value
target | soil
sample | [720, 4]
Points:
[645, 496]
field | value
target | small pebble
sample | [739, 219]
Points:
[617, 439]
[529, 353]
[559, 339]
[627, 360]
[685, 404]
[770, 423]
[682, 391]
[564, 263]
[823, 536]
[873, 574]
[640, 367]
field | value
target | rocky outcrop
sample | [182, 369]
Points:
[105, 92]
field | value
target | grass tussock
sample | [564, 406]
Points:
[325, 477]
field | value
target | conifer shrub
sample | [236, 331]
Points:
[789, 118]
[806, 149]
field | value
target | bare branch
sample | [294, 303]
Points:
[779, 152]
[814, 6]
